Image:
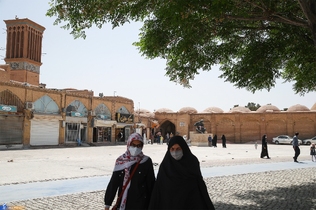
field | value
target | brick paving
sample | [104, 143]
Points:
[284, 189]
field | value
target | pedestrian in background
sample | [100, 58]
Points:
[136, 189]
[180, 184]
[215, 140]
[264, 149]
[167, 138]
[223, 141]
[313, 152]
[210, 140]
[296, 147]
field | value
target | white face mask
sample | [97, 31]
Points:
[134, 150]
[177, 154]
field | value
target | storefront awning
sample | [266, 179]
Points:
[122, 125]
[104, 123]
[154, 124]
[140, 125]
[44, 117]
[70, 119]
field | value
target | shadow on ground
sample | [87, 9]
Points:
[299, 197]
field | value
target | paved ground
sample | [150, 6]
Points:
[273, 187]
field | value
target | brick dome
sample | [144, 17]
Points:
[268, 108]
[144, 113]
[213, 110]
[239, 109]
[298, 108]
[164, 110]
[189, 110]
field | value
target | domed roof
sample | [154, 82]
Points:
[213, 110]
[313, 107]
[239, 109]
[164, 110]
[144, 113]
[298, 108]
[189, 110]
[268, 108]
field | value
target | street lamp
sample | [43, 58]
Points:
[138, 112]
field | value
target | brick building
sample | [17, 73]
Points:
[31, 114]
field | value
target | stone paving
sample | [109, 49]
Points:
[284, 189]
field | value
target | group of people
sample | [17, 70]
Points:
[296, 147]
[212, 142]
[179, 183]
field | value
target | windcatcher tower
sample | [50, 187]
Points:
[24, 50]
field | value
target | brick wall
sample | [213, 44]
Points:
[4, 73]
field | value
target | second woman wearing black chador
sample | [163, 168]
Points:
[264, 150]
[179, 183]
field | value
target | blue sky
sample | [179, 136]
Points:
[106, 62]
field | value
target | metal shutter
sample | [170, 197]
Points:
[11, 129]
[44, 132]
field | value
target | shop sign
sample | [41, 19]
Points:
[7, 108]
[103, 117]
[124, 118]
[76, 114]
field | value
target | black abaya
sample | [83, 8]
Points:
[180, 184]
[264, 150]
[215, 140]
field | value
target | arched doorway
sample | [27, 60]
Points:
[167, 127]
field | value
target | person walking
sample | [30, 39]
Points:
[134, 191]
[180, 184]
[296, 147]
[264, 149]
[313, 152]
[215, 140]
[223, 141]
[167, 138]
[210, 141]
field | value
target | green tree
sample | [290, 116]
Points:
[255, 42]
[252, 106]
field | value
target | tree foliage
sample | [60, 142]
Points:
[255, 42]
[252, 106]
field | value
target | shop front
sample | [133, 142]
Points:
[11, 125]
[124, 126]
[45, 130]
[75, 129]
[123, 131]
[102, 130]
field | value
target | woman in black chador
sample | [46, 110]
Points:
[264, 150]
[215, 140]
[224, 141]
[179, 183]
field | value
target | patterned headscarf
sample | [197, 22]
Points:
[125, 162]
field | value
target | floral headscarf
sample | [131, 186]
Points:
[125, 162]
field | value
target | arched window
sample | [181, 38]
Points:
[102, 112]
[122, 110]
[46, 105]
[9, 98]
[76, 109]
